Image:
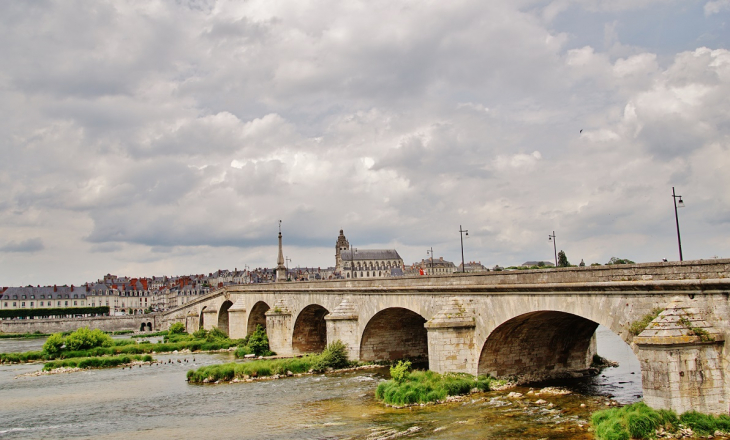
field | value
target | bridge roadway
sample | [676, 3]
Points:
[532, 324]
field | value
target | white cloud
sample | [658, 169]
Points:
[169, 136]
[716, 6]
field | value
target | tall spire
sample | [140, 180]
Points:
[280, 268]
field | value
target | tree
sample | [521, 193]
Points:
[615, 260]
[563, 259]
[176, 328]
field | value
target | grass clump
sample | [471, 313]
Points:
[704, 424]
[256, 343]
[333, 357]
[95, 362]
[638, 421]
[412, 387]
[637, 327]
[89, 343]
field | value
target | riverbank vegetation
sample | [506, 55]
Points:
[96, 362]
[638, 421]
[333, 357]
[414, 387]
[257, 343]
[94, 343]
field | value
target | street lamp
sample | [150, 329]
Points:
[555, 248]
[461, 233]
[678, 203]
[431, 253]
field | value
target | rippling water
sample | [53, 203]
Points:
[156, 402]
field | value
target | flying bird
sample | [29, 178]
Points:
[581, 131]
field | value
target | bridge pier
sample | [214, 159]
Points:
[237, 320]
[681, 363]
[451, 346]
[191, 323]
[210, 319]
[279, 328]
[342, 325]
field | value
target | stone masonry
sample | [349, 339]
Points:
[533, 323]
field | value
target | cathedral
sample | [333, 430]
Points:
[365, 263]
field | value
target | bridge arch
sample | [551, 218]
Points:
[257, 316]
[539, 345]
[223, 316]
[310, 330]
[201, 318]
[394, 333]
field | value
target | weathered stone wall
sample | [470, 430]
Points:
[310, 330]
[538, 346]
[394, 333]
[450, 349]
[105, 323]
[684, 378]
[613, 296]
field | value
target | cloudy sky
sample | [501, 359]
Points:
[148, 137]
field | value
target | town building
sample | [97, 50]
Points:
[365, 263]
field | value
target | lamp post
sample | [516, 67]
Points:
[677, 204]
[555, 247]
[461, 233]
[431, 253]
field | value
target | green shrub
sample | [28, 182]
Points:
[256, 343]
[84, 339]
[334, 356]
[176, 328]
[399, 372]
[200, 334]
[53, 344]
[215, 333]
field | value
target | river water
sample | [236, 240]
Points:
[155, 402]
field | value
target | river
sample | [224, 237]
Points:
[153, 402]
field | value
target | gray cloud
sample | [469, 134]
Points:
[29, 245]
[157, 137]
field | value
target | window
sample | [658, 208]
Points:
[23, 297]
[31, 303]
[32, 297]
[59, 303]
[15, 304]
[75, 303]
[22, 304]
[41, 303]
[66, 303]
[6, 304]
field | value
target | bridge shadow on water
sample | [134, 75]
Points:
[622, 383]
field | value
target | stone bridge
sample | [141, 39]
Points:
[531, 324]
